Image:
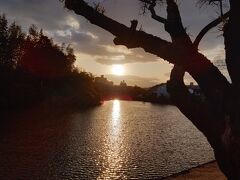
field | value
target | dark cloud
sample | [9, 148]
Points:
[65, 26]
[62, 25]
[47, 14]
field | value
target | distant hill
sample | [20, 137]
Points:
[131, 80]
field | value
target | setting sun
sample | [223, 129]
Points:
[118, 70]
[124, 89]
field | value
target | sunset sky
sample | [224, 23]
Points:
[93, 46]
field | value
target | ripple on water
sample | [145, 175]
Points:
[118, 140]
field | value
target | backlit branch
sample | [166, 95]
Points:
[124, 35]
[193, 62]
[154, 15]
[191, 106]
[174, 25]
[209, 27]
[150, 5]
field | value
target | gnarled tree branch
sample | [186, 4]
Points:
[209, 27]
[188, 104]
[174, 22]
[209, 78]
[193, 107]
[124, 35]
[150, 5]
[219, 123]
[154, 15]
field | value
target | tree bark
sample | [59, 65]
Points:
[232, 39]
[195, 63]
[217, 117]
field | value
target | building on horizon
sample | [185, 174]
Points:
[161, 90]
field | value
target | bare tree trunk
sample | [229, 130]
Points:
[214, 124]
[217, 117]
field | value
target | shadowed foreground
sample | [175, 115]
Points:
[206, 172]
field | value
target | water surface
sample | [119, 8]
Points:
[118, 140]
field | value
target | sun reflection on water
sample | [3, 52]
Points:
[113, 158]
[116, 113]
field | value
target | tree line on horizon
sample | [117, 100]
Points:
[34, 69]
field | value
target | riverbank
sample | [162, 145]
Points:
[207, 171]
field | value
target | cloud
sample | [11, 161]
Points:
[77, 38]
[66, 27]
[88, 43]
[47, 14]
[136, 56]
[117, 49]
[220, 62]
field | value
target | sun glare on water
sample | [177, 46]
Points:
[118, 70]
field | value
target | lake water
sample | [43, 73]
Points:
[117, 140]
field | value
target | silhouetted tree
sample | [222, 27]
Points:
[218, 117]
[45, 59]
[123, 84]
[71, 58]
[15, 49]
[34, 68]
[11, 43]
[3, 39]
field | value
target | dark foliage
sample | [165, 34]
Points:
[33, 69]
